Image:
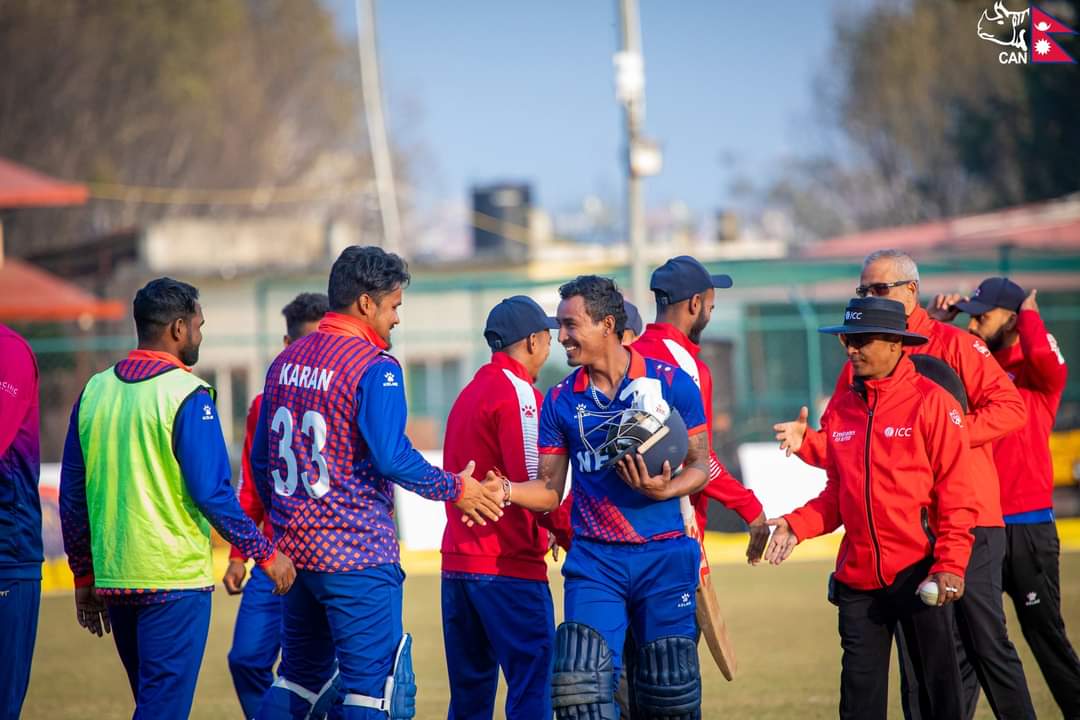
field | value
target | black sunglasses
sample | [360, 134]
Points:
[879, 289]
[858, 340]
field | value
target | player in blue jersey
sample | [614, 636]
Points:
[329, 446]
[632, 564]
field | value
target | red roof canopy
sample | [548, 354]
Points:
[22, 187]
[1053, 225]
[29, 293]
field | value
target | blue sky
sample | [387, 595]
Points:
[516, 89]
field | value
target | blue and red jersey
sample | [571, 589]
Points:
[21, 551]
[573, 422]
[329, 446]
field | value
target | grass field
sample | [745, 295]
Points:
[783, 629]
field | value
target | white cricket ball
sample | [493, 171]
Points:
[928, 592]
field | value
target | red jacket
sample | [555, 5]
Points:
[246, 492]
[1037, 367]
[494, 421]
[898, 466]
[663, 341]
[995, 408]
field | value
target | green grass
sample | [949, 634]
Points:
[783, 628]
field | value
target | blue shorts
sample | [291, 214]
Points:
[19, 602]
[491, 622]
[354, 616]
[650, 588]
[256, 641]
[161, 647]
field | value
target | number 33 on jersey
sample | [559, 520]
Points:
[313, 429]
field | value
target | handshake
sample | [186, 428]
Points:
[484, 500]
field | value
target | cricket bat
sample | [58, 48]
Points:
[709, 618]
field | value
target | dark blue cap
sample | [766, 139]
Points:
[875, 315]
[991, 293]
[514, 319]
[633, 318]
[682, 277]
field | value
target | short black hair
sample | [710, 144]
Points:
[305, 308]
[601, 296]
[365, 270]
[159, 303]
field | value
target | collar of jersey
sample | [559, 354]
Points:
[663, 330]
[504, 362]
[637, 369]
[341, 324]
[158, 355]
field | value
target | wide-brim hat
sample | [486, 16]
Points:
[875, 315]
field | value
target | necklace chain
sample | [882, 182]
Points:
[614, 389]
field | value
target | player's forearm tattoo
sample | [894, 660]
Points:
[552, 472]
[697, 455]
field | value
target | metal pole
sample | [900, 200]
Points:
[376, 127]
[634, 106]
[813, 349]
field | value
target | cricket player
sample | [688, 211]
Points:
[257, 633]
[898, 482]
[329, 446]
[145, 474]
[1008, 321]
[496, 604]
[632, 563]
[996, 409]
[21, 551]
[685, 294]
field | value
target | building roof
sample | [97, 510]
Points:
[1047, 226]
[22, 187]
[28, 293]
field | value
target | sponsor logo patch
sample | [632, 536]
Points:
[1032, 599]
[843, 435]
[954, 415]
[900, 432]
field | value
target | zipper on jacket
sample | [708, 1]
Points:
[869, 511]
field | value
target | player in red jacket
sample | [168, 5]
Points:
[496, 605]
[898, 481]
[988, 657]
[257, 633]
[1010, 325]
[685, 297]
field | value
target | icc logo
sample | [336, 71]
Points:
[852, 315]
[900, 432]
[1010, 29]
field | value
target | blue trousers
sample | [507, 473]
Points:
[649, 587]
[496, 622]
[161, 647]
[256, 641]
[353, 616]
[19, 602]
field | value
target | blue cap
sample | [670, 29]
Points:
[993, 293]
[875, 315]
[514, 319]
[682, 277]
[633, 318]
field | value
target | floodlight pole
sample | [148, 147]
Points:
[630, 90]
[376, 126]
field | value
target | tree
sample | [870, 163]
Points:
[931, 124]
[198, 94]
